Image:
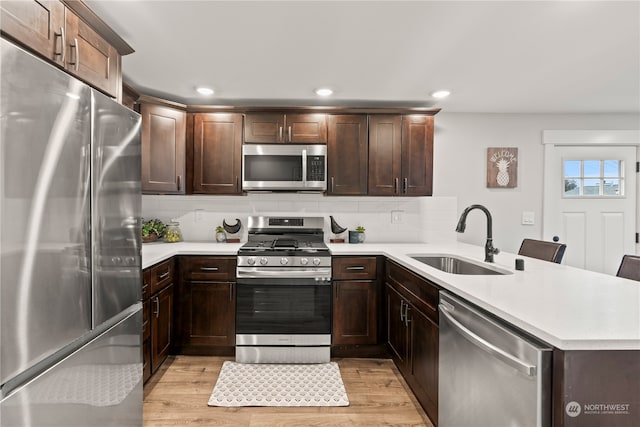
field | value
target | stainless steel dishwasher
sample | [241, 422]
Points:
[490, 375]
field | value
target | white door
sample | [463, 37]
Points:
[590, 203]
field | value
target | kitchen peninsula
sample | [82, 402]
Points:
[592, 320]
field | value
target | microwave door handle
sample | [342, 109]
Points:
[304, 167]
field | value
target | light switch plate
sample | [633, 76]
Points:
[528, 218]
[199, 213]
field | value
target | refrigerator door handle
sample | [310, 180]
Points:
[498, 353]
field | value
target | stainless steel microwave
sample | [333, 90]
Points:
[284, 167]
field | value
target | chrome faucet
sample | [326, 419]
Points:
[489, 250]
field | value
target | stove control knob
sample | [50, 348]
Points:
[284, 261]
[304, 261]
[251, 260]
[263, 261]
[316, 261]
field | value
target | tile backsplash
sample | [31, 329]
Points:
[416, 219]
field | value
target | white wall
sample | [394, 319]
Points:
[461, 142]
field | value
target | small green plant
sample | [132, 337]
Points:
[360, 229]
[153, 226]
[219, 229]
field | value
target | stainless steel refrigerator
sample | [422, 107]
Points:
[70, 319]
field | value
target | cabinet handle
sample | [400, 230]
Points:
[157, 312]
[163, 275]
[406, 314]
[237, 183]
[63, 47]
[280, 135]
[355, 268]
[230, 291]
[289, 132]
[396, 186]
[405, 185]
[209, 268]
[402, 310]
[332, 184]
[178, 182]
[76, 58]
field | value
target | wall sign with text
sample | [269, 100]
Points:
[502, 167]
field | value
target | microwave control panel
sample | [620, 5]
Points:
[315, 168]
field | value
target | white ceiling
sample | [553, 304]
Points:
[501, 56]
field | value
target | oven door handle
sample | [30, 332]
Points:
[320, 276]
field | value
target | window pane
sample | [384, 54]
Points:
[571, 187]
[611, 187]
[591, 168]
[612, 168]
[571, 168]
[591, 187]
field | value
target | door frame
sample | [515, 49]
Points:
[553, 138]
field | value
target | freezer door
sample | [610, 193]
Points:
[116, 208]
[98, 386]
[45, 278]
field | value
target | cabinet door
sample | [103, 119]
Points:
[163, 149]
[217, 151]
[264, 127]
[146, 340]
[37, 24]
[347, 152]
[161, 318]
[385, 159]
[306, 128]
[397, 336]
[424, 361]
[354, 312]
[208, 309]
[417, 155]
[90, 57]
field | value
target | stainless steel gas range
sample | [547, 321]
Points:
[284, 292]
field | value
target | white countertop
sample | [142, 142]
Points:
[569, 308]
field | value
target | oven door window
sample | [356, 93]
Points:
[270, 168]
[283, 308]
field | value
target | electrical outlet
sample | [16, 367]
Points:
[397, 217]
[199, 214]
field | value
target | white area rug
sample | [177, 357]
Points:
[242, 384]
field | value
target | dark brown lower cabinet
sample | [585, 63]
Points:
[161, 319]
[413, 333]
[355, 312]
[205, 306]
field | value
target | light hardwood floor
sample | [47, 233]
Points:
[177, 395]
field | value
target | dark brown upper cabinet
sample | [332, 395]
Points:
[217, 153]
[163, 149]
[58, 34]
[347, 150]
[400, 155]
[296, 128]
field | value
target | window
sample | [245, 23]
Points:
[593, 178]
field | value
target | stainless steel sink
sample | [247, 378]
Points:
[455, 265]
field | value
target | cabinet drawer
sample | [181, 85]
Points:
[146, 284]
[420, 292]
[209, 268]
[161, 275]
[354, 268]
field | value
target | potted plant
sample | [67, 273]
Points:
[358, 235]
[220, 234]
[152, 230]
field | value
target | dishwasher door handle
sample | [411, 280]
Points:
[498, 353]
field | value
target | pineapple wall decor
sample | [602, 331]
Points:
[502, 167]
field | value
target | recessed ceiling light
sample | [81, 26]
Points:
[439, 94]
[205, 91]
[324, 91]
